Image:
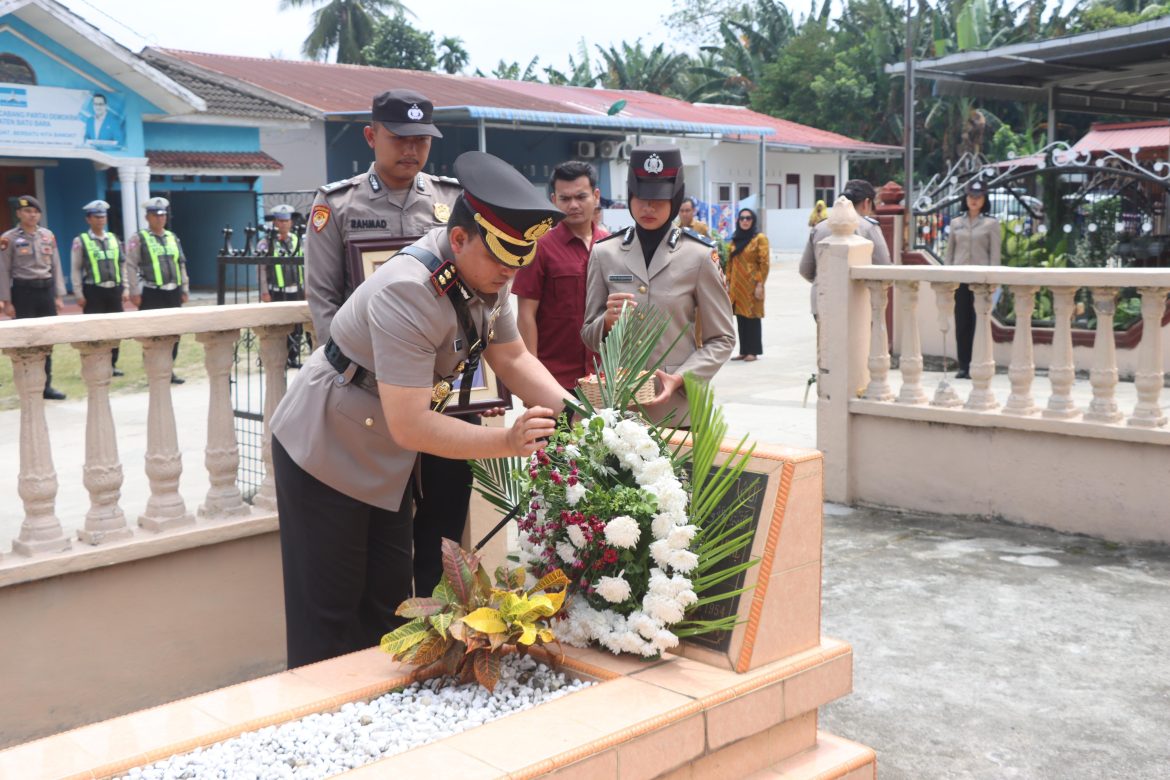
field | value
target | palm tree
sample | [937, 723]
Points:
[511, 71]
[751, 39]
[347, 25]
[633, 67]
[579, 73]
[453, 58]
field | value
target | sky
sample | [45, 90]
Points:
[512, 30]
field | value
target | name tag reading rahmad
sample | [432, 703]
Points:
[621, 277]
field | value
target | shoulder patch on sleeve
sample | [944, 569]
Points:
[698, 237]
[336, 186]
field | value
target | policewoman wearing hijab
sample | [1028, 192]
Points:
[747, 271]
[974, 239]
[347, 436]
[670, 268]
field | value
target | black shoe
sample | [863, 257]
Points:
[962, 374]
[53, 394]
[176, 380]
[118, 372]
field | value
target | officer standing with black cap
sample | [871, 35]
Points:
[668, 267]
[974, 238]
[284, 281]
[393, 199]
[98, 268]
[156, 267]
[31, 281]
[346, 436]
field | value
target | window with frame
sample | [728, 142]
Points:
[792, 190]
[825, 188]
[15, 70]
[743, 192]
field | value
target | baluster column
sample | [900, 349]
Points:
[910, 362]
[1103, 375]
[1150, 374]
[222, 456]
[982, 398]
[878, 388]
[41, 531]
[944, 296]
[273, 356]
[1023, 368]
[105, 521]
[164, 463]
[1062, 369]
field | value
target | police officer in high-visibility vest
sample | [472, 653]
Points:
[98, 268]
[31, 283]
[156, 268]
[284, 281]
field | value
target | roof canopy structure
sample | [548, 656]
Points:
[1124, 71]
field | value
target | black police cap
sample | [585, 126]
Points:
[405, 112]
[655, 173]
[28, 201]
[511, 213]
[976, 187]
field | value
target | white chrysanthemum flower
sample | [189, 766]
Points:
[608, 416]
[647, 449]
[686, 598]
[573, 451]
[615, 590]
[662, 524]
[683, 560]
[566, 552]
[623, 532]
[664, 640]
[577, 536]
[644, 624]
[630, 642]
[660, 551]
[574, 493]
[656, 470]
[681, 535]
[672, 500]
[667, 610]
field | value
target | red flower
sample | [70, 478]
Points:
[610, 556]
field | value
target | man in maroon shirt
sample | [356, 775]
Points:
[551, 290]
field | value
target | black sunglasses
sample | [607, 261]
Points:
[742, 217]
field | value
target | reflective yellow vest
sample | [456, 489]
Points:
[170, 247]
[98, 255]
[295, 251]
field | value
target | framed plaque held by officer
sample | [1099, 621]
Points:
[365, 255]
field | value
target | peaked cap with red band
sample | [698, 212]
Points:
[510, 213]
[655, 173]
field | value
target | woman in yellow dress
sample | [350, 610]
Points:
[747, 271]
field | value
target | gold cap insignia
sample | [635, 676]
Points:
[440, 392]
[539, 229]
[442, 212]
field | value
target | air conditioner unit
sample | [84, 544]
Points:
[586, 149]
[608, 149]
[624, 150]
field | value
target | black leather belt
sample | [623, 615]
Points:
[36, 284]
[349, 372]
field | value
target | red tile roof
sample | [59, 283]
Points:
[332, 88]
[161, 161]
[1122, 137]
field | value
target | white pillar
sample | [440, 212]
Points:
[1062, 366]
[130, 215]
[142, 189]
[1150, 374]
[222, 456]
[1023, 367]
[273, 353]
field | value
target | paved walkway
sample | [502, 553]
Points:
[982, 650]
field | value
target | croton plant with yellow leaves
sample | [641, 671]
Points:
[468, 622]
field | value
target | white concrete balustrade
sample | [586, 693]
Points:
[1085, 455]
[26, 342]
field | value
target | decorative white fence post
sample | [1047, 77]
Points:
[1103, 375]
[1062, 368]
[273, 356]
[944, 297]
[1150, 375]
[105, 521]
[165, 508]
[878, 388]
[41, 531]
[982, 356]
[910, 361]
[222, 456]
[1023, 369]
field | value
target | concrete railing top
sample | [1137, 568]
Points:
[1040, 277]
[73, 328]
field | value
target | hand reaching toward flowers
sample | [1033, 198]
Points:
[669, 383]
[535, 424]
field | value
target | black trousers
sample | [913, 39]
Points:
[964, 325]
[346, 565]
[298, 335]
[102, 300]
[441, 512]
[34, 299]
[154, 298]
[751, 339]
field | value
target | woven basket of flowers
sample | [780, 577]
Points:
[591, 386]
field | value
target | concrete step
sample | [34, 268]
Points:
[832, 758]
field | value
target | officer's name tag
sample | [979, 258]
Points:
[621, 277]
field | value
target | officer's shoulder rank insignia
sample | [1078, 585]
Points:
[689, 233]
[336, 186]
[618, 234]
[319, 217]
[444, 277]
[447, 180]
[442, 212]
[375, 182]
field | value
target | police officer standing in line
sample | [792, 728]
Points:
[31, 282]
[97, 267]
[156, 267]
[974, 238]
[346, 436]
[284, 282]
[393, 199]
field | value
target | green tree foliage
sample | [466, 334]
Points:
[398, 44]
[453, 57]
[633, 67]
[344, 26]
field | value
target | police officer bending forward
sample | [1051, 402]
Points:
[346, 437]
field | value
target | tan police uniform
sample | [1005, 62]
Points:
[970, 241]
[362, 207]
[868, 228]
[680, 281]
[29, 260]
[111, 272]
[140, 272]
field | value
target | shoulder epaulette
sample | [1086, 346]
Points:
[618, 234]
[698, 237]
[337, 186]
[448, 180]
[871, 220]
[673, 237]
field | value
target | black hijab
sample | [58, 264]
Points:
[741, 238]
